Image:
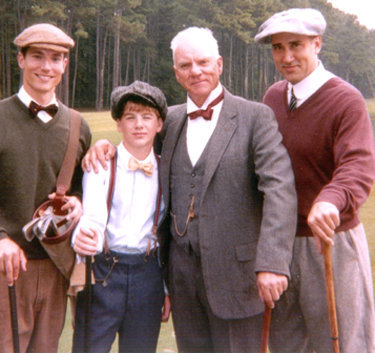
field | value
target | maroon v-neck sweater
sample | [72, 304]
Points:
[330, 141]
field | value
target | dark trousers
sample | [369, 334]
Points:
[129, 303]
[197, 328]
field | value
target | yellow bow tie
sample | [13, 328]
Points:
[147, 168]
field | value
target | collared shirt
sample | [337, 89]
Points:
[200, 130]
[26, 99]
[310, 84]
[133, 205]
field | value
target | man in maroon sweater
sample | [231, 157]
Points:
[327, 132]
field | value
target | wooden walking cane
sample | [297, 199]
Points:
[88, 292]
[265, 328]
[331, 296]
[14, 317]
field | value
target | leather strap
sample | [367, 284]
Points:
[67, 168]
[64, 178]
[111, 189]
[156, 216]
[158, 201]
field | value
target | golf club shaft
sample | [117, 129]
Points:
[14, 317]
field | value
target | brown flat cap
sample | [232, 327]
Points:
[150, 94]
[44, 35]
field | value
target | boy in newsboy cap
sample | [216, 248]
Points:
[119, 229]
[33, 138]
[327, 132]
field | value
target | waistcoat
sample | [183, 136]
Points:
[186, 187]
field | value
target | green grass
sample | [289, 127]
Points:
[103, 126]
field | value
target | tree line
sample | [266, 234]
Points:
[119, 41]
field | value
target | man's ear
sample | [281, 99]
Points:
[21, 60]
[118, 125]
[318, 44]
[65, 63]
[175, 72]
[160, 125]
[220, 64]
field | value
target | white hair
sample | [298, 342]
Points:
[195, 35]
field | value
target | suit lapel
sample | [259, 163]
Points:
[178, 118]
[221, 137]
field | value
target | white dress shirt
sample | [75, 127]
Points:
[310, 84]
[26, 99]
[133, 205]
[200, 130]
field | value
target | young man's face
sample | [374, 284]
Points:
[42, 72]
[139, 124]
[295, 56]
[197, 70]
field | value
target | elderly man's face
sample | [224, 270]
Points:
[295, 55]
[197, 70]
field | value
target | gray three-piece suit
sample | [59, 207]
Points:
[242, 197]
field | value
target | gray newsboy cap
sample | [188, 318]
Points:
[304, 21]
[138, 89]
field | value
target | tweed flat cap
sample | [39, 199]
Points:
[44, 35]
[153, 95]
[304, 21]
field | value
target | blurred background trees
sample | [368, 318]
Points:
[119, 41]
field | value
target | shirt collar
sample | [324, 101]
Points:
[310, 84]
[125, 155]
[191, 106]
[26, 98]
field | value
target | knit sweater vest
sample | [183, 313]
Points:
[31, 154]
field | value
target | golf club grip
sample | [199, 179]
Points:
[331, 296]
[14, 317]
[265, 328]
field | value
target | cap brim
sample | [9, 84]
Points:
[49, 46]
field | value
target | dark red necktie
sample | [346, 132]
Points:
[207, 113]
[35, 108]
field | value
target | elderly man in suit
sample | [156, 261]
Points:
[228, 184]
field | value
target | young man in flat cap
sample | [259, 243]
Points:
[120, 230]
[33, 139]
[327, 132]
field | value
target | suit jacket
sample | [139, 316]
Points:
[248, 204]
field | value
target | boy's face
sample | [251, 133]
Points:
[42, 72]
[139, 124]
